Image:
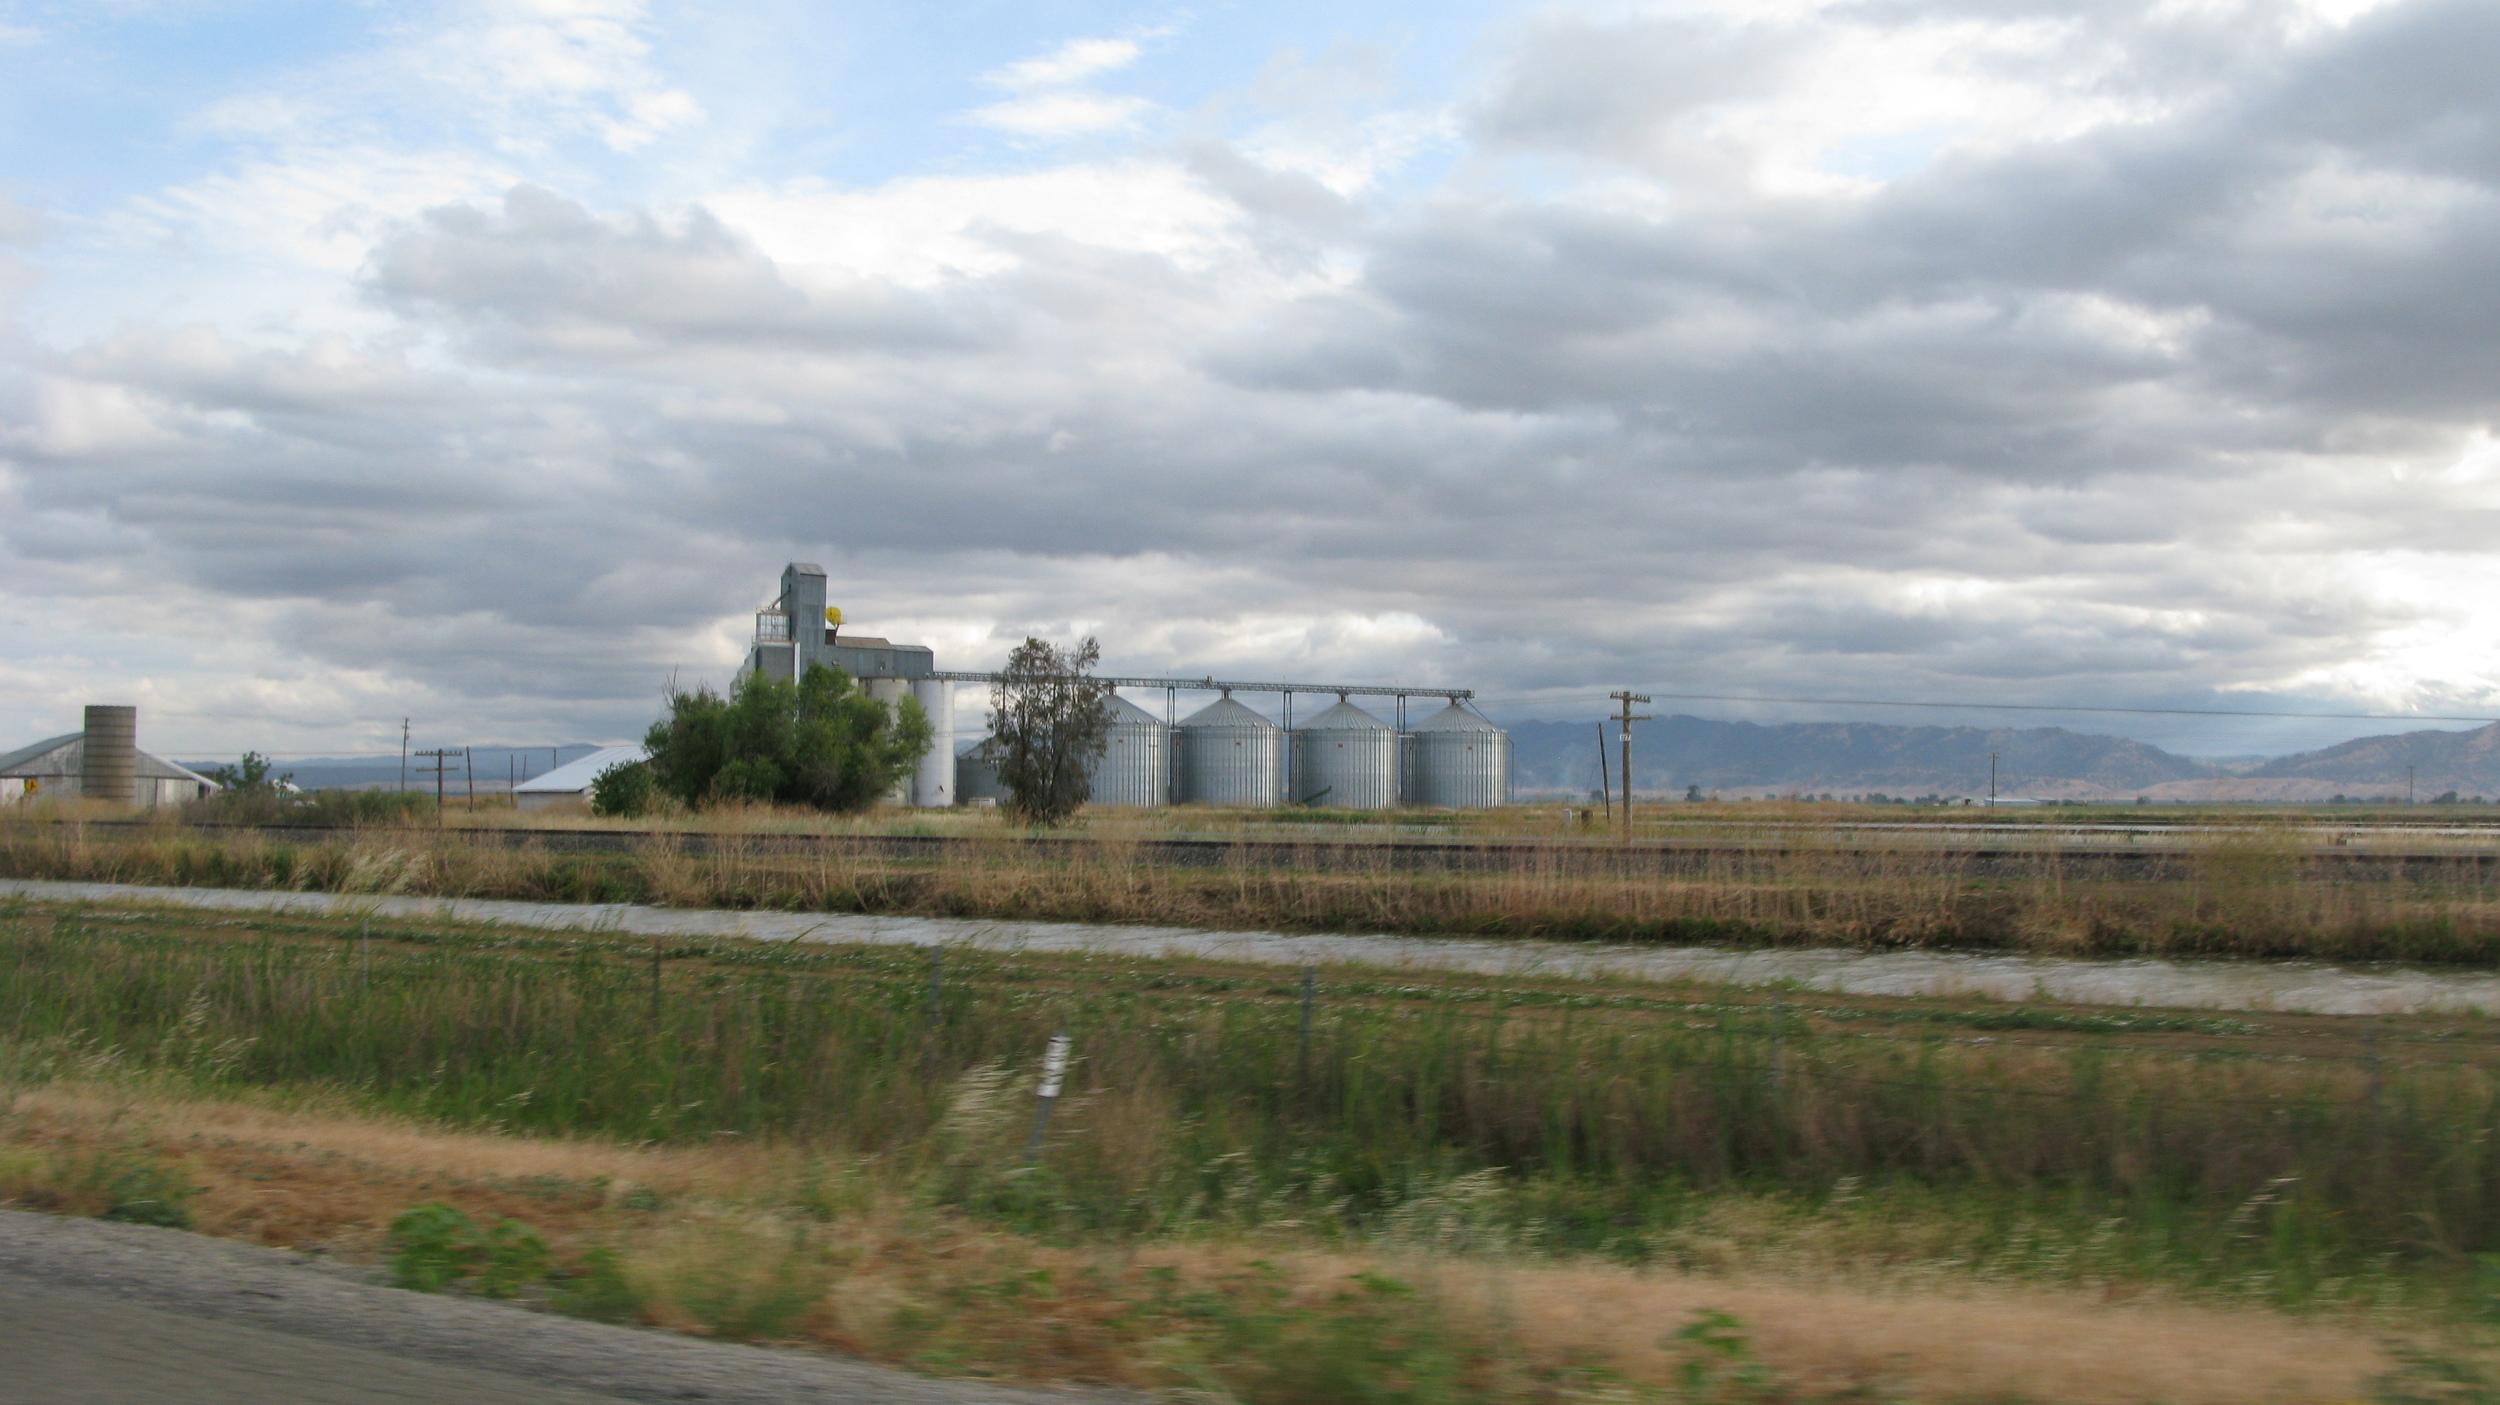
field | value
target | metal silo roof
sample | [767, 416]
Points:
[1224, 712]
[1454, 719]
[1345, 717]
[1128, 714]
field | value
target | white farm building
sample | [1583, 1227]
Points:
[572, 781]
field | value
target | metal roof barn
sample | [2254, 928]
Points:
[56, 767]
[1459, 761]
[573, 780]
[1345, 759]
[1229, 755]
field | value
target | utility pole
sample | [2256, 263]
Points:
[442, 763]
[1626, 718]
[403, 753]
[2408, 785]
[1605, 782]
[468, 772]
[1992, 780]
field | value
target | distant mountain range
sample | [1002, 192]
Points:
[1837, 758]
[496, 767]
[1857, 758]
[2465, 762]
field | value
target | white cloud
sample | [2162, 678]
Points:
[76, 419]
[1048, 102]
[926, 231]
[1061, 114]
[1072, 62]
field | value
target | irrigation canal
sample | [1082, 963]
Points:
[2288, 987]
[2396, 853]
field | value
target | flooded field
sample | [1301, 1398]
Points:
[2304, 987]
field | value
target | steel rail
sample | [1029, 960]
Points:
[1319, 853]
[1216, 685]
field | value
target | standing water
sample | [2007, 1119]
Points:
[2307, 987]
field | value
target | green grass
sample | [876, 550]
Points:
[1193, 1106]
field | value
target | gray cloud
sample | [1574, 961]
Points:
[2099, 415]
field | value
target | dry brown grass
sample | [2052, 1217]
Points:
[882, 1276]
[2255, 894]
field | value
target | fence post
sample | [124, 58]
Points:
[2378, 1082]
[929, 1036]
[1779, 1034]
[1046, 1097]
[1303, 1065]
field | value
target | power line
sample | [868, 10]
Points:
[2042, 707]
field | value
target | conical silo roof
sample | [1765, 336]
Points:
[1454, 719]
[1345, 717]
[1224, 712]
[1128, 714]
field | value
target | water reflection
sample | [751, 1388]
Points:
[2298, 986]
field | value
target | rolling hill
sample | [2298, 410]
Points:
[1848, 758]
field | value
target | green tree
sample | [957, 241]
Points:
[250, 776]
[1050, 723]
[819, 742]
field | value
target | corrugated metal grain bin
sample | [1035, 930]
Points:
[1134, 769]
[976, 775]
[1229, 755]
[1345, 759]
[1459, 761]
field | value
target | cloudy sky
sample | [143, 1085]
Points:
[484, 362]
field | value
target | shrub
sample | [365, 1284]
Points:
[598, 1289]
[435, 1245]
[335, 808]
[142, 1189]
[624, 791]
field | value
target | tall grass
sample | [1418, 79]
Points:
[1554, 1129]
[2250, 895]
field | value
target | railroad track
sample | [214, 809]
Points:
[1967, 855]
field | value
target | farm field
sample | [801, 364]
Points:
[2248, 890]
[1404, 1186]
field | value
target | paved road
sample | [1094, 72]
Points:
[103, 1314]
[63, 1346]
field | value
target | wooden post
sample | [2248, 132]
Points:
[1305, 1063]
[1046, 1097]
[1627, 719]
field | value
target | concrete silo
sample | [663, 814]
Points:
[1229, 755]
[1345, 759]
[933, 783]
[1134, 769]
[891, 692]
[1458, 761]
[110, 767]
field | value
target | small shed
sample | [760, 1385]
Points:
[51, 769]
[573, 779]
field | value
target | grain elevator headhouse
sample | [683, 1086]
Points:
[800, 628]
[1225, 754]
